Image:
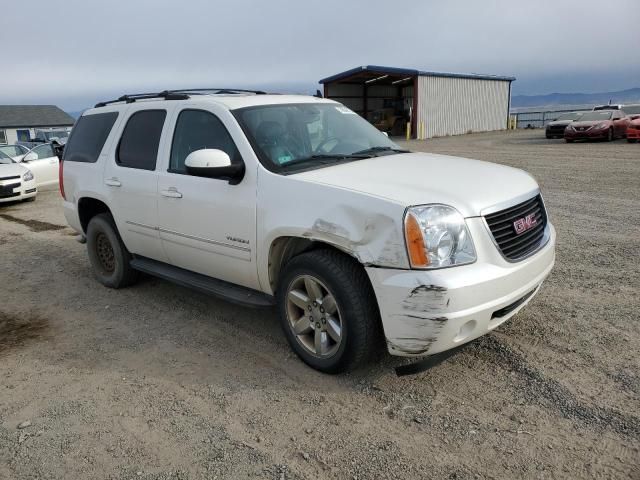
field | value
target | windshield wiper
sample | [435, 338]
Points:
[324, 159]
[373, 150]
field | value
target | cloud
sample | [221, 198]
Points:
[83, 50]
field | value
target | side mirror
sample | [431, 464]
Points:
[214, 163]
[29, 157]
[386, 134]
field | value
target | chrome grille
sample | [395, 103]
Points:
[502, 224]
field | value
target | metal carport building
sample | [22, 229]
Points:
[435, 104]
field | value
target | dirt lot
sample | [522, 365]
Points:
[156, 381]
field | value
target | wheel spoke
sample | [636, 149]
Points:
[321, 342]
[299, 299]
[329, 304]
[313, 289]
[302, 326]
[334, 329]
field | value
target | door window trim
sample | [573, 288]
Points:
[173, 137]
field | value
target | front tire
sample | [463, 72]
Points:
[610, 135]
[328, 311]
[568, 140]
[107, 254]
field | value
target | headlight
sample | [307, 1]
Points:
[601, 126]
[27, 176]
[437, 236]
[570, 127]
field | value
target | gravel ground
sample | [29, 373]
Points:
[157, 381]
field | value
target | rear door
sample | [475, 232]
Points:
[131, 179]
[45, 166]
[208, 225]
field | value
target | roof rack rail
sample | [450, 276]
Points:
[182, 94]
[130, 98]
[219, 91]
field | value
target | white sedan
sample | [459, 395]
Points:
[16, 182]
[44, 164]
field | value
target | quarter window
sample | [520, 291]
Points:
[88, 137]
[197, 130]
[140, 140]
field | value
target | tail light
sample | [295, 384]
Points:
[61, 178]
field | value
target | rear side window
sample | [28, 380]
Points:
[88, 137]
[140, 140]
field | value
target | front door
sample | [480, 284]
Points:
[44, 166]
[207, 225]
[131, 181]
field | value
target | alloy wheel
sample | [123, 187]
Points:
[313, 316]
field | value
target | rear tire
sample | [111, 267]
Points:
[342, 297]
[631, 140]
[107, 254]
[568, 140]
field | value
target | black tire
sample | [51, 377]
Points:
[107, 254]
[610, 135]
[631, 140]
[348, 283]
[568, 140]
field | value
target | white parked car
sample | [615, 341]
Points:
[298, 202]
[16, 152]
[16, 181]
[44, 164]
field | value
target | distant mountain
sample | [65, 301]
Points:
[624, 96]
[76, 115]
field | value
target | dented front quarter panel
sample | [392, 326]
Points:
[364, 226]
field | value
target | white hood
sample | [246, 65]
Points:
[11, 170]
[420, 178]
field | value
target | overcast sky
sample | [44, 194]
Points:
[81, 51]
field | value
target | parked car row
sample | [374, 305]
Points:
[606, 122]
[22, 171]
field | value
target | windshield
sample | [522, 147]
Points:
[595, 116]
[569, 116]
[632, 110]
[13, 150]
[306, 135]
[4, 159]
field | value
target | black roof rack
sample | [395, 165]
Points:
[178, 94]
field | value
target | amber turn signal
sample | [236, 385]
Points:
[415, 242]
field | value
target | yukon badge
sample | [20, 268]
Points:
[523, 224]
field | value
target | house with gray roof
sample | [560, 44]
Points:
[19, 122]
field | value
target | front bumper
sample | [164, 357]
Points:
[17, 189]
[425, 312]
[633, 134]
[592, 134]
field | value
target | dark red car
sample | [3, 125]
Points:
[633, 129]
[602, 124]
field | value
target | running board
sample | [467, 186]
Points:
[202, 283]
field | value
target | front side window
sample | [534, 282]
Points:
[43, 151]
[309, 135]
[140, 140]
[88, 137]
[197, 130]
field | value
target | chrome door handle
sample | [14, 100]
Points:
[171, 192]
[113, 182]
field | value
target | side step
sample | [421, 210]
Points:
[202, 283]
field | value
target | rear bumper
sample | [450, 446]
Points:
[21, 190]
[71, 214]
[428, 312]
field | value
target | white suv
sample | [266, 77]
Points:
[300, 202]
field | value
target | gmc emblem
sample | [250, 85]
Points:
[523, 224]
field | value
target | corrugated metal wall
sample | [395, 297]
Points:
[453, 106]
